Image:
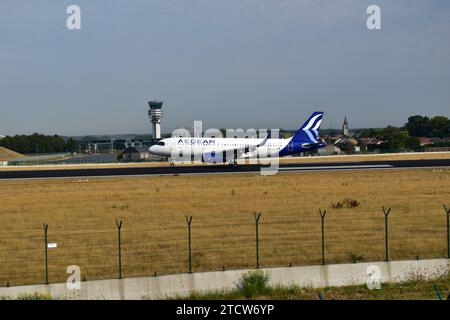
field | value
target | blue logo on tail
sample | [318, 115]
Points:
[309, 132]
[305, 138]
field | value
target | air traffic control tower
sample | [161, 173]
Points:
[155, 114]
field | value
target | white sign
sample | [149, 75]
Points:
[52, 245]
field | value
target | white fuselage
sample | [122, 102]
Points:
[219, 149]
[247, 147]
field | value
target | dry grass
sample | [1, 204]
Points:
[6, 154]
[81, 215]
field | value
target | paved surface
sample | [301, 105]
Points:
[221, 169]
[162, 287]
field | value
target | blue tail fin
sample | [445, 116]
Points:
[309, 132]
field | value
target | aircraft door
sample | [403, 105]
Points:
[291, 146]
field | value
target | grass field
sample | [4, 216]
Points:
[6, 154]
[81, 216]
[414, 289]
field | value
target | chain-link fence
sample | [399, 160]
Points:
[120, 250]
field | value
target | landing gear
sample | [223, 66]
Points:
[233, 163]
[172, 164]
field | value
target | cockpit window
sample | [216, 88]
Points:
[161, 143]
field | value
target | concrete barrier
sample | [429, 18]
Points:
[161, 287]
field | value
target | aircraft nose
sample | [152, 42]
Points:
[152, 149]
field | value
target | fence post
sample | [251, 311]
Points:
[438, 292]
[257, 217]
[46, 251]
[386, 235]
[119, 241]
[322, 219]
[447, 212]
[189, 222]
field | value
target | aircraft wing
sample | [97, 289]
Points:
[240, 148]
[240, 152]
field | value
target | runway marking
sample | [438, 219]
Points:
[374, 166]
[281, 170]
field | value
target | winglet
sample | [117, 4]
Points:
[269, 134]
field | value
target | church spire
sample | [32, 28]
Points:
[345, 130]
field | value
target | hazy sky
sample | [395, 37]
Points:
[230, 63]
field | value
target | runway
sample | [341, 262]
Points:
[220, 169]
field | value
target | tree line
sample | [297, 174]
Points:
[406, 137]
[38, 143]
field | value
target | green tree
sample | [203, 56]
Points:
[396, 138]
[440, 127]
[71, 145]
[34, 143]
[368, 133]
[412, 143]
[418, 126]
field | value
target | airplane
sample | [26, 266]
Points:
[229, 150]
